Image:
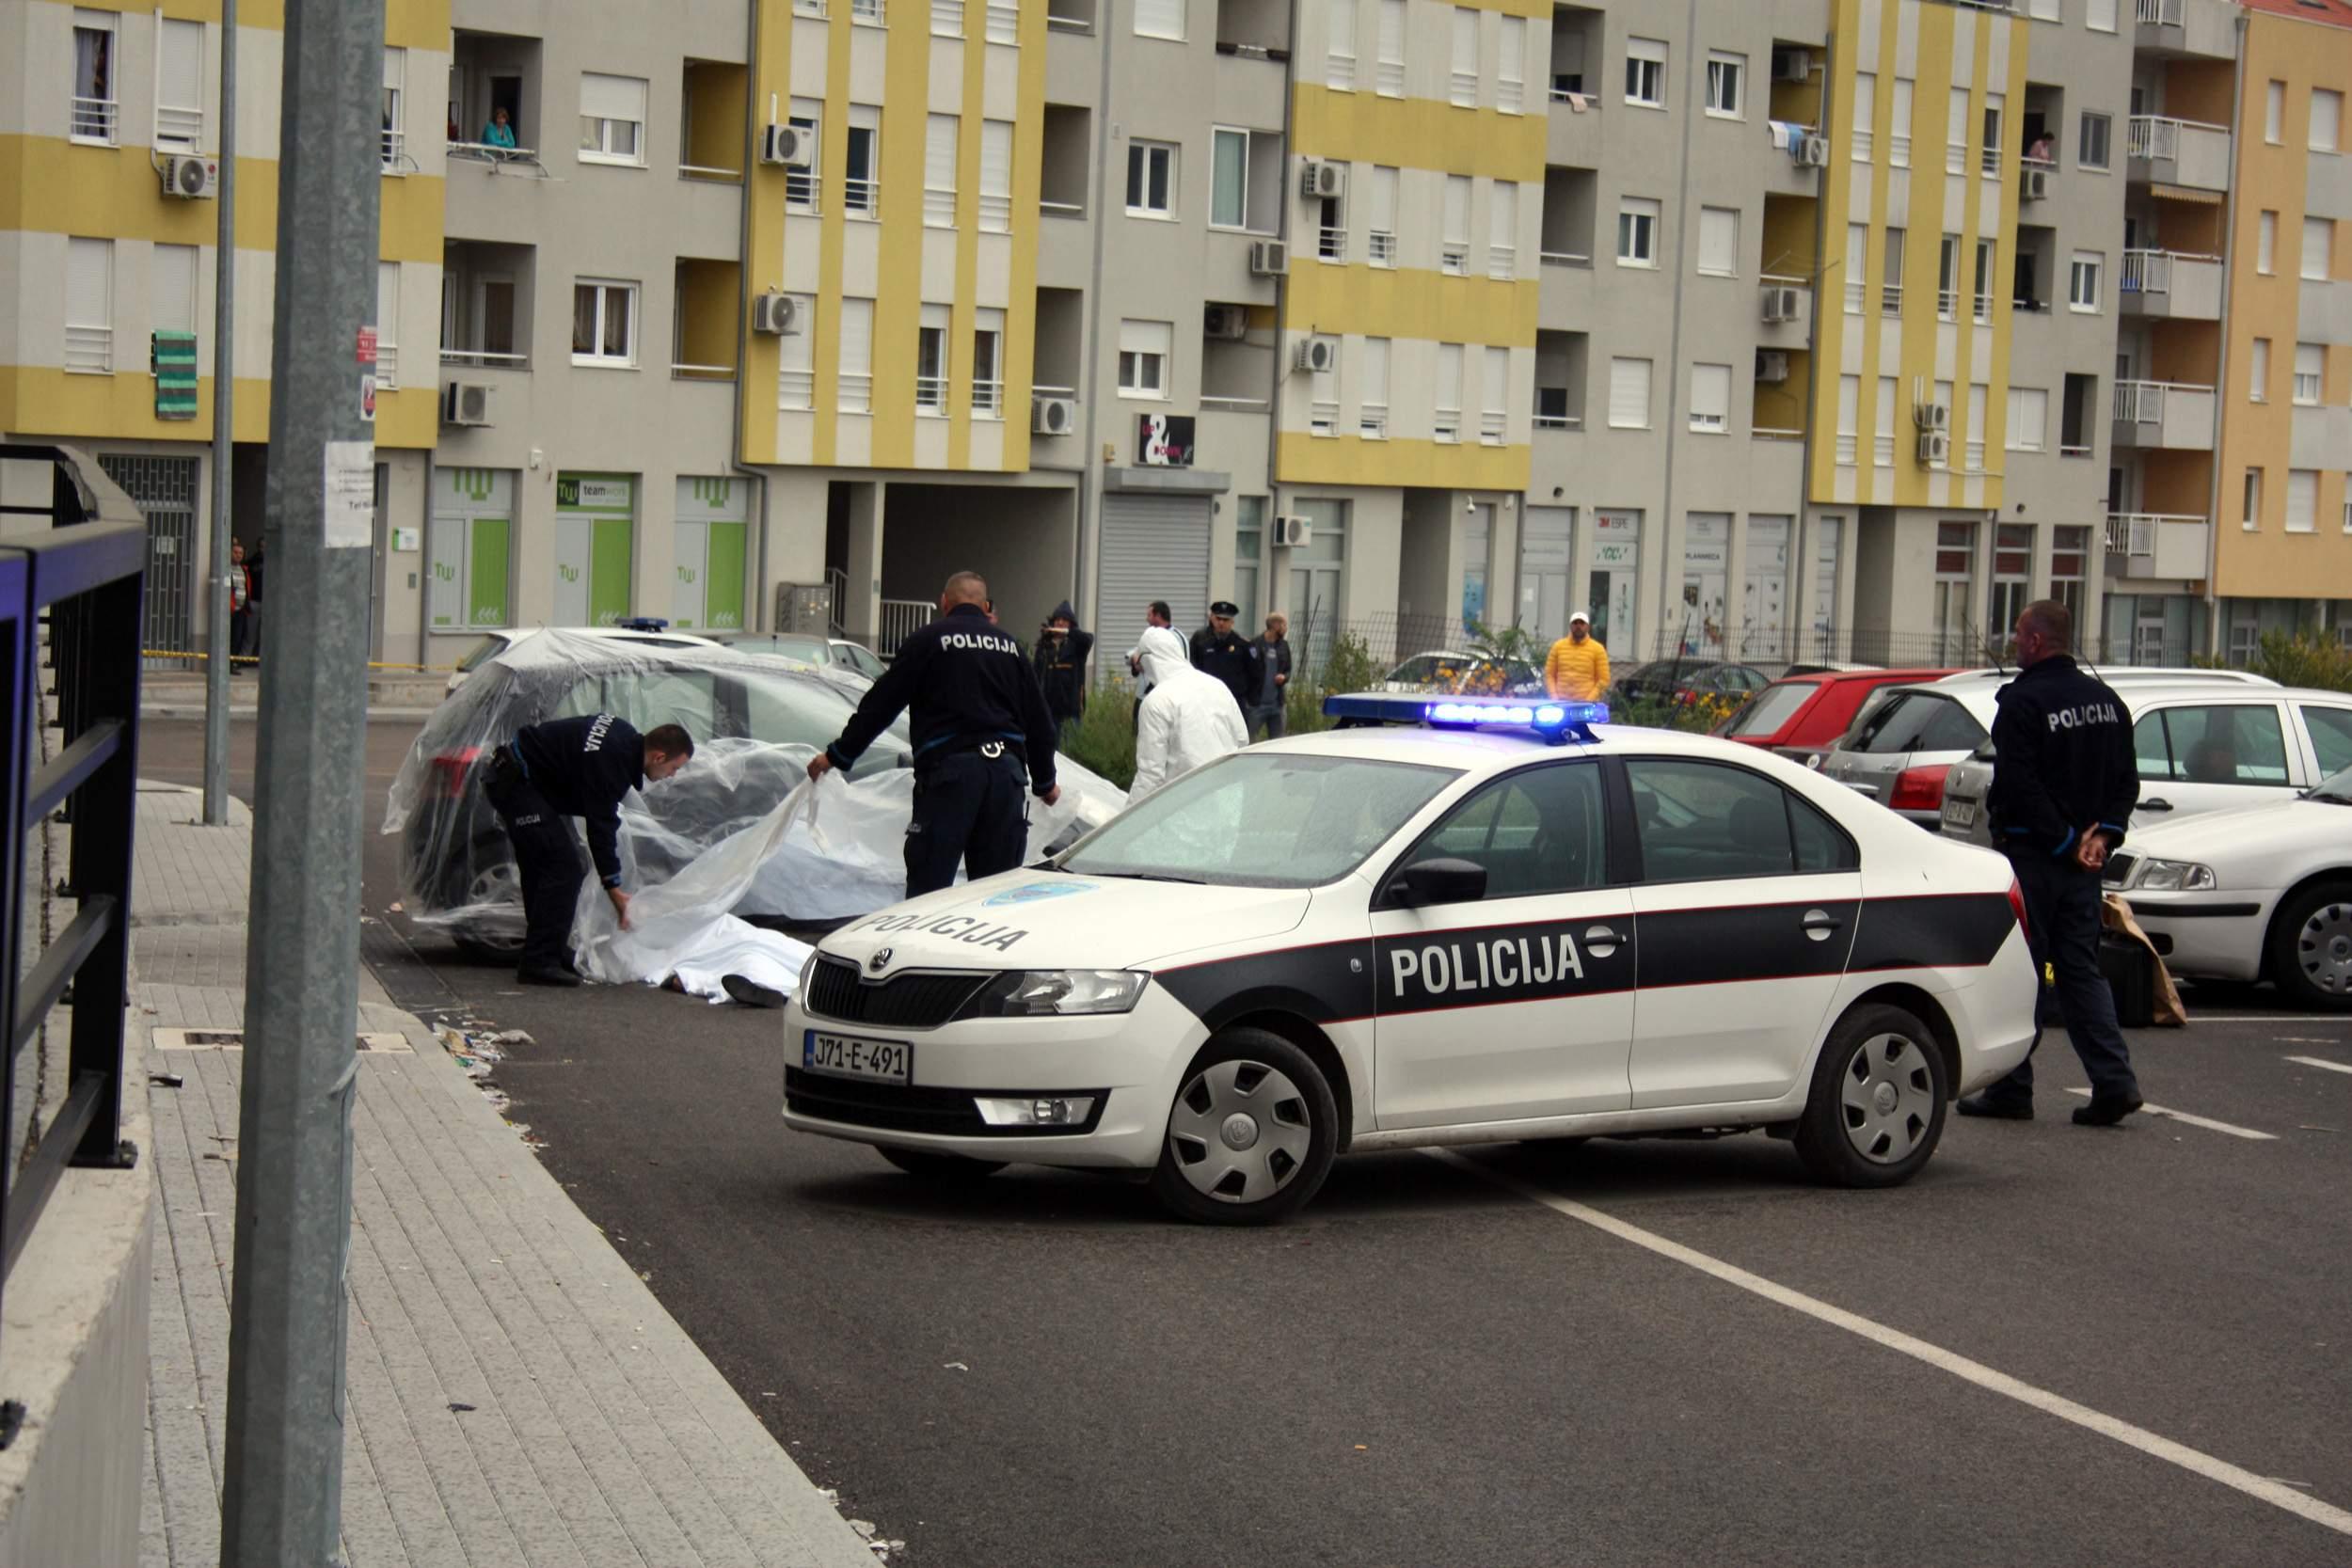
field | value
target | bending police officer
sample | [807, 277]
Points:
[2065, 779]
[571, 768]
[980, 731]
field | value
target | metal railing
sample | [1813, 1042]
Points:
[86, 571]
[996, 214]
[1331, 244]
[89, 349]
[988, 400]
[92, 119]
[1322, 417]
[711, 174]
[1212, 403]
[1371, 421]
[1383, 248]
[947, 19]
[2142, 402]
[862, 198]
[930, 394]
[2159, 135]
[1503, 261]
[1491, 426]
[853, 392]
[474, 359]
[796, 389]
[939, 208]
[1003, 22]
[701, 372]
[900, 620]
[2158, 13]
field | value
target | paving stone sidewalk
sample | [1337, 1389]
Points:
[516, 1394]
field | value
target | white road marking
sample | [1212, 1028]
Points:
[2206, 1122]
[2263, 1488]
[2306, 1061]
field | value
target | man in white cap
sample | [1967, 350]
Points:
[1578, 668]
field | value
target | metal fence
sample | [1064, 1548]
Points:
[82, 565]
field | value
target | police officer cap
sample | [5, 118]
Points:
[1225, 607]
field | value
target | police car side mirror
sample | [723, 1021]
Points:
[1437, 881]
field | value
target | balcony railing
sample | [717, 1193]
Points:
[1219, 404]
[948, 18]
[2157, 13]
[853, 392]
[1322, 417]
[862, 198]
[1371, 421]
[1387, 78]
[387, 366]
[92, 119]
[1463, 86]
[2159, 135]
[701, 373]
[988, 400]
[1331, 244]
[1382, 247]
[1510, 97]
[474, 359]
[1491, 424]
[1559, 422]
[930, 394]
[89, 350]
[179, 127]
[2142, 402]
[996, 214]
[1503, 261]
[1564, 258]
[939, 208]
[1446, 425]
[867, 11]
[1004, 22]
[796, 389]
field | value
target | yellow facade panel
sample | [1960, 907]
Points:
[1415, 132]
[1405, 301]
[1304, 459]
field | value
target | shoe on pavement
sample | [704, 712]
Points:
[2105, 1112]
[547, 974]
[2000, 1110]
[750, 992]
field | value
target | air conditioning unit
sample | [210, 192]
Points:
[1053, 416]
[1935, 448]
[1931, 416]
[1780, 304]
[1770, 365]
[1792, 64]
[1317, 354]
[466, 403]
[1227, 322]
[778, 315]
[1813, 153]
[1291, 532]
[788, 145]
[2036, 186]
[1269, 258]
[191, 179]
[1323, 180]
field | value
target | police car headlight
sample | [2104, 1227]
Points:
[1039, 993]
[2173, 876]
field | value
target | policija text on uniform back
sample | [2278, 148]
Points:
[980, 730]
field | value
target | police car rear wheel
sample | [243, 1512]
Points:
[2312, 948]
[1877, 1107]
[940, 1167]
[1251, 1133]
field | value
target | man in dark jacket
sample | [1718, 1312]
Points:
[571, 768]
[2064, 782]
[979, 723]
[1220, 650]
[1270, 679]
[1062, 652]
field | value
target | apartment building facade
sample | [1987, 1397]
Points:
[1823, 328]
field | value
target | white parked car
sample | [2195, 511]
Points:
[2260, 893]
[493, 643]
[1384, 936]
[1905, 740]
[2202, 747]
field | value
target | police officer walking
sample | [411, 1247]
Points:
[980, 730]
[2064, 782]
[571, 768]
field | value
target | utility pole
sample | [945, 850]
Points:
[224, 437]
[281, 1496]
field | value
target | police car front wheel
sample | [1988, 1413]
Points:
[1876, 1110]
[1251, 1133]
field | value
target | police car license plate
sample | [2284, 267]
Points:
[842, 1057]
[1960, 814]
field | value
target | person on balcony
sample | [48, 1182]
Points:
[498, 133]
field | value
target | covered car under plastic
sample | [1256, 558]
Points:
[756, 722]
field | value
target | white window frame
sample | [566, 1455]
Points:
[932, 361]
[1727, 94]
[1645, 73]
[1715, 220]
[2326, 230]
[1372, 415]
[2092, 266]
[95, 121]
[1982, 285]
[2266, 243]
[1000, 23]
[939, 201]
[853, 387]
[2275, 113]
[802, 187]
[1706, 422]
[947, 19]
[1502, 230]
[2310, 385]
[1382, 190]
[2106, 141]
[1638, 221]
[2029, 435]
[387, 326]
[1445, 425]
[1866, 97]
[2251, 521]
[1494, 397]
[1142, 154]
[861, 199]
[1217, 135]
[867, 13]
[1388, 46]
[1462, 80]
[996, 152]
[1338, 65]
[1511, 66]
[1650, 390]
[89, 344]
[174, 312]
[988, 353]
[597, 358]
[2333, 102]
[602, 151]
[1156, 13]
[182, 126]
[395, 108]
[1454, 226]
[1155, 352]
[2258, 371]
[796, 360]
[2302, 500]
[1899, 122]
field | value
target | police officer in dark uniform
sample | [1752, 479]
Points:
[1218, 650]
[981, 732]
[571, 768]
[2064, 782]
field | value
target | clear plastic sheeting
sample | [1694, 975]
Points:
[756, 722]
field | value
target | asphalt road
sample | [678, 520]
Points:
[1690, 1363]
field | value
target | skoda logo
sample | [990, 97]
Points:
[880, 961]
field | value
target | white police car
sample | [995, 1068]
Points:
[1498, 924]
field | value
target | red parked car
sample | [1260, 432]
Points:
[1803, 716]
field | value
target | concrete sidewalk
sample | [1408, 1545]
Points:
[516, 1395]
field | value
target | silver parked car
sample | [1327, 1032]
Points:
[2201, 749]
[1905, 742]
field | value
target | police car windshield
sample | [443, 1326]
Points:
[1262, 819]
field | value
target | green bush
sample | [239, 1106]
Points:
[1699, 716]
[2297, 659]
[1103, 738]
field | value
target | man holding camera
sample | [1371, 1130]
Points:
[1062, 652]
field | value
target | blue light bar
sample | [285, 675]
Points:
[1555, 721]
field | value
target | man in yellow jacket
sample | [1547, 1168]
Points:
[1578, 668]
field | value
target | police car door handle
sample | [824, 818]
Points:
[2155, 805]
[1819, 924]
[1601, 941]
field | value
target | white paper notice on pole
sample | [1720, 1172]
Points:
[350, 495]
